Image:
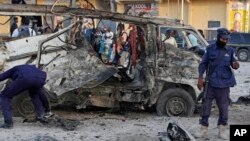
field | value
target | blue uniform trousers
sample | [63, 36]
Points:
[221, 96]
[34, 85]
[44, 100]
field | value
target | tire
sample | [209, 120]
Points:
[22, 105]
[243, 55]
[175, 102]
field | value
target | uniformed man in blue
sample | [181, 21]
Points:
[24, 77]
[217, 62]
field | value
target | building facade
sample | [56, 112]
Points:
[202, 14]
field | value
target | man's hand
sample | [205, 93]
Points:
[200, 83]
[235, 65]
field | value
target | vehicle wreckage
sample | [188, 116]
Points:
[156, 75]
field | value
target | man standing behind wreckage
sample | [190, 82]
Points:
[24, 30]
[24, 77]
[217, 62]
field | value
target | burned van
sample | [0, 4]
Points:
[104, 66]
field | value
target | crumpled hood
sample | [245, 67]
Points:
[76, 69]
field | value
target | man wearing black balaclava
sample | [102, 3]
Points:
[217, 62]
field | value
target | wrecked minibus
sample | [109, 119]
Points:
[142, 73]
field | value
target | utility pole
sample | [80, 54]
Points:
[112, 5]
[168, 9]
[182, 10]
[72, 3]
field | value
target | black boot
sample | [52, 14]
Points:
[7, 125]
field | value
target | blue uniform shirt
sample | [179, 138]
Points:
[222, 76]
[23, 71]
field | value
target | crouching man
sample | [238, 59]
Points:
[24, 77]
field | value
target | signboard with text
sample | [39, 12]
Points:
[151, 9]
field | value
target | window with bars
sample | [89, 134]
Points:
[213, 24]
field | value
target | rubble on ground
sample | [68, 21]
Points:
[56, 121]
[243, 100]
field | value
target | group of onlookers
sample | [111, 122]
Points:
[23, 30]
[26, 29]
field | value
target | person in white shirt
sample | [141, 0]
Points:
[24, 30]
[108, 35]
[192, 39]
[169, 41]
[108, 40]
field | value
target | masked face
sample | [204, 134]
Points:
[222, 42]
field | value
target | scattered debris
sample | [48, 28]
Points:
[97, 137]
[243, 100]
[175, 132]
[66, 124]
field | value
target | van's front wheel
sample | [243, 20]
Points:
[175, 102]
[22, 105]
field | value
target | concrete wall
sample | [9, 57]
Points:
[172, 9]
[120, 7]
[4, 29]
[203, 11]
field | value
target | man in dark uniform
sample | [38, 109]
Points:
[25, 77]
[218, 59]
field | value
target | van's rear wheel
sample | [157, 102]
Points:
[175, 102]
